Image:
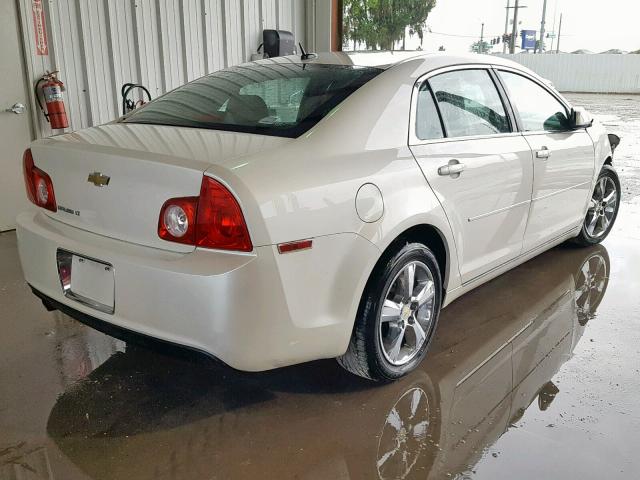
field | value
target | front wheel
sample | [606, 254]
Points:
[603, 209]
[397, 317]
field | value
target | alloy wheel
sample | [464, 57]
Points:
[602, 208]
[407, 313]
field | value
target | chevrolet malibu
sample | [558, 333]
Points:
[293, 209]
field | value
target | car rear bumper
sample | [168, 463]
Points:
[114, 331]
[252, 311]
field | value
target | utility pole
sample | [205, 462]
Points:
[559, 32]
[544, 19]
[514, 31]
[555, 19]
[481, 49]
[506, 27]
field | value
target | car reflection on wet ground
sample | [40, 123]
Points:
[532, 375]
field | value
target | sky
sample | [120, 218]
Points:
[595, 25]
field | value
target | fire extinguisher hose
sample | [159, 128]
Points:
[46, 114]
[127, 104]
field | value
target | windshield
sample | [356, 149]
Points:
[282, 99]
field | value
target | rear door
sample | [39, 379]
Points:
[476, 163]
[563, 158]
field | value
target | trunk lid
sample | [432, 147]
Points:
[146, 166]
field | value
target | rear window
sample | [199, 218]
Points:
[281, 99]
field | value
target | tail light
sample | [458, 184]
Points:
[212, 220]
[178, 220]
[38, 184]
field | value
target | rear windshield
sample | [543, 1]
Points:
[281, 99]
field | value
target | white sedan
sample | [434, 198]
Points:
[294, 209]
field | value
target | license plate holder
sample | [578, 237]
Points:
[86, 280]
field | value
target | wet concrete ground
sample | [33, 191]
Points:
[533, 375]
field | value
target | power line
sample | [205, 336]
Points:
[462, 36]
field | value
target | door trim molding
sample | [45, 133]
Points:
[500, 210]
[561, 191]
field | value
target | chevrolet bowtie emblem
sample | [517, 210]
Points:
[98, 179]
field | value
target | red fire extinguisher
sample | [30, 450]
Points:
[52, 89]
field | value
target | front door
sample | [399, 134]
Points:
[477, 165]
[564, 160]
[15, 130]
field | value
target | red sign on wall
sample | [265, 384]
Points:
[39, 27]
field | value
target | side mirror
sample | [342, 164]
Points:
[580, 118]
[614, 141]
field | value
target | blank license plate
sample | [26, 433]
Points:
[87, 281]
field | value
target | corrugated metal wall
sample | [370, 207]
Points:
[586, 73]
[100, 44]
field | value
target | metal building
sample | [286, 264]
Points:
[98, 45]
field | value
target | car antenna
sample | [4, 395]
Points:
[305, 55]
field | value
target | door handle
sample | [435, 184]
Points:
[17, 108]
[543, 153]
[453, 169]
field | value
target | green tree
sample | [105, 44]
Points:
[381, 23]
[355, 22]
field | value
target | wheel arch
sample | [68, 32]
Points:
[433, 238]
[427, 234]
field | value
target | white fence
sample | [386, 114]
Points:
[586, 73]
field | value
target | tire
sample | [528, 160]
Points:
[592, 236]
[371, 353]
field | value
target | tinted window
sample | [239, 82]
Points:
[538, 109]
[283, 99]
[428, 126]
[469, 103]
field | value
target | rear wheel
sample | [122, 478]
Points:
[397, 317]
[603, 209]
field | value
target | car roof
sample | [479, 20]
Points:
[418, 62]
[389, 59]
